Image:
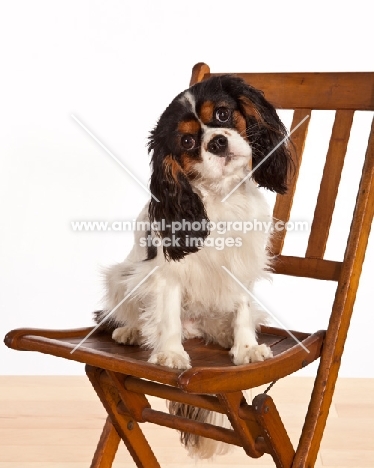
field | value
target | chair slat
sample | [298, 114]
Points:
[329, 184]
[307, 267]
[323, 91]
[283, 204]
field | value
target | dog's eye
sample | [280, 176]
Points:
[223, 114]
[188, 142]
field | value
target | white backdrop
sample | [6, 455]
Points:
[116, 65]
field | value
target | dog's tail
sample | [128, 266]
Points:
[200, 447]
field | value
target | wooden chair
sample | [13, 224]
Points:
[121, 374]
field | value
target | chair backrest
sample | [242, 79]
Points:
[344, 93]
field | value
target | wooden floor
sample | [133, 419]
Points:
[55, 422]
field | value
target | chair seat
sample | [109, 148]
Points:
[212, 370]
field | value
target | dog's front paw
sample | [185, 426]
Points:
[127, 335]
[245, 354]
[179, 360]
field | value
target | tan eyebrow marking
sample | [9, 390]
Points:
[189, 126]
[206, 112]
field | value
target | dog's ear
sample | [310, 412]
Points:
[271, 158]
[179, 215]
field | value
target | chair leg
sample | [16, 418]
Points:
[332, 350]
[107, 447]
[275, 435]
[247, 430]
[124, 423]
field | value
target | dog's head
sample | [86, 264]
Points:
[208, 139]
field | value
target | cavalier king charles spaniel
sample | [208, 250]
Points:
[212, 148]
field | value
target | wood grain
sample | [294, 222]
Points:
[323, 91]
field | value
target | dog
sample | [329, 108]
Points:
[212, 149]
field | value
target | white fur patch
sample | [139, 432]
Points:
[188, 97]
[236, 164]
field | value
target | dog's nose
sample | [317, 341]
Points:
[218, 145]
